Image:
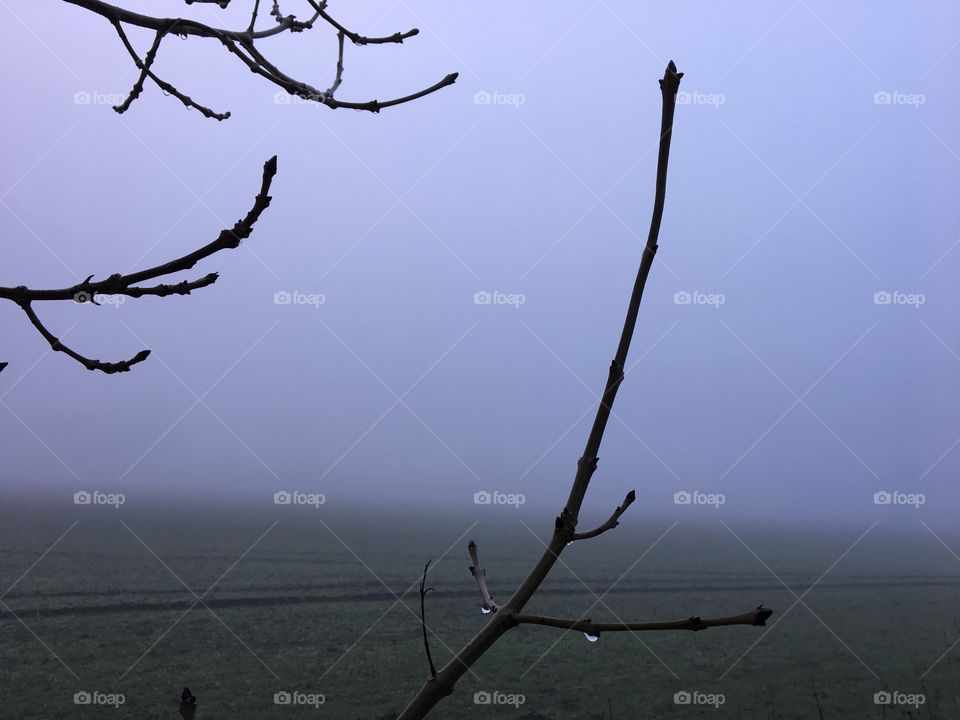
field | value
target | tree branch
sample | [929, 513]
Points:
[479, 574]
[88, 363]
[424, 591]
[612, 522]
[436, 688]
[129, 284]
[756, 617]
[145, 72]
[234, 40]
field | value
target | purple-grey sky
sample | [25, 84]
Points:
[815, 164]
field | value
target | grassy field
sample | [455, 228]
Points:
[325, 604]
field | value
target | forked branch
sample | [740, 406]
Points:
[130, 284]
[612, 522]
[510, 615]
[242, 44]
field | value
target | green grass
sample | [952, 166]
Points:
[302, 612]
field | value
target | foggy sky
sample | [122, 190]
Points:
[796, 193]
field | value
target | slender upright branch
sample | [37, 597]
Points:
[242, 45]
[129, 284]
[424, 591]
[510, 615]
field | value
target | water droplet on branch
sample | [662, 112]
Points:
[485, 610]
[591, 638]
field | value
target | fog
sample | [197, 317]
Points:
[797, 350]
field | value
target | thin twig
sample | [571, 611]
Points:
[479, 574]
[756, 617]
[424, 591]
[612, 522]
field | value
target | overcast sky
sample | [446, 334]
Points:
[815, 164]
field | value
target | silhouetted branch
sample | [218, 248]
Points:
[754, 617]
[612, 522]
[424, 591]
[242, 44]
[510, 614]
[479, 574]
[146, 72]
[129, 284]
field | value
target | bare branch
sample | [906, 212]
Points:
[88, 363]
[145, 72]
[144, 67]
[241, 44]
[756, 617]
[479, 574]
[424, 591]
[339, 76]
[509, 615]
[129, 284]
[612, 522]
